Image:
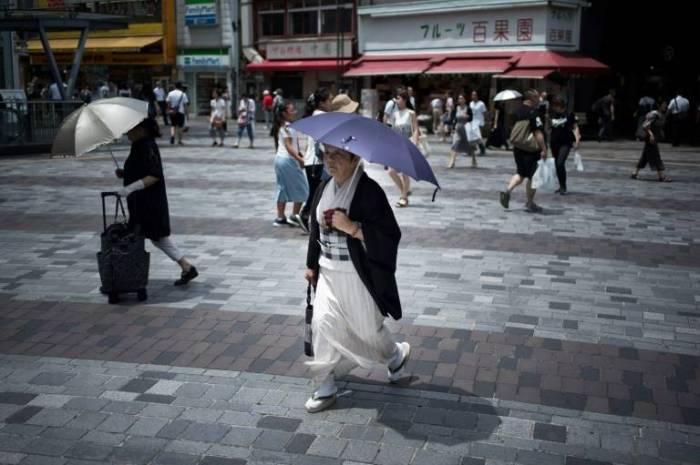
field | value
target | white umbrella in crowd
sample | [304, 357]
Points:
[507, 95]
[97, 124]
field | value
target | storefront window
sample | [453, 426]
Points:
[137, 11]
[336, 20]
[303, 22]
[272, 24]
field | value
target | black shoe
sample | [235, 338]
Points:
[505, 199]
[297, 220]
[562, 191]
[172, 140]
[281, 222]
[532, 207]
[214, 144]
[187, 276]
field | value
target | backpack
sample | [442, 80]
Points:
[522, 137]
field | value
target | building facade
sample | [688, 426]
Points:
[298, 45]
[462, 45]
[208, 49]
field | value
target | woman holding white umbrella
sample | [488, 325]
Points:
[147, 201]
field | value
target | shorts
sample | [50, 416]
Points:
[526, 162]
[177, 120]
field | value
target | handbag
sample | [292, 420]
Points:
[522, 137]
[217, 123]
[308, 345]
[473, 131]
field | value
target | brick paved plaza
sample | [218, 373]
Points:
[570, 338]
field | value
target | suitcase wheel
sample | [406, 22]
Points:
[113, 298]
[142, 295]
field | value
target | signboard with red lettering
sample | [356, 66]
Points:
[309, 50]
[542, 27]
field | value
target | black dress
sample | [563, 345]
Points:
[148, 208]
[375, 261]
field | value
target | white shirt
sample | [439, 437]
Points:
[678, 104]
[390, 108]
[436, 103]
[177, 96]
[310, 157]
[159, 93]
[285, 133]
[450, 104]
[413, 101]
[54, 92]
[478, 110]
[249, 107]
[104, 91]
[218, 108]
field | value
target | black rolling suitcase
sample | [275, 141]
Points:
[122, 260]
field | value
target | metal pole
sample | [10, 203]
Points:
[52, 61]
[76, 60]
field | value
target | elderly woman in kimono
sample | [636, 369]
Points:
[351, 260]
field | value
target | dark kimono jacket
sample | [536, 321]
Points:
[375, 262]
[148, 208]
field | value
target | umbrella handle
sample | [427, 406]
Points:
[114, 159]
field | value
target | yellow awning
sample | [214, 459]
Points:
[116, 44]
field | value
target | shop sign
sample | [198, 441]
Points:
[200, 13]
[203, 60]
[317, 49]
[544, 27]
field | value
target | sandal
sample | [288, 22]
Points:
[402, 203]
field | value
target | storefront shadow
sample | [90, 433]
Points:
[163, 291]
[419, 412]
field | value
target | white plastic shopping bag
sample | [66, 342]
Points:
[473, 131]
[578, 162]
[544, 178]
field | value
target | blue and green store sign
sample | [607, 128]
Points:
[200, 13]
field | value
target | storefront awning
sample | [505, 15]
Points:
[469, 66]
[379, 67]
[566, 63]
[531, 73]
[296, 65]
[115, 44]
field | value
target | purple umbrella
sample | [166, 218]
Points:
[371, 140]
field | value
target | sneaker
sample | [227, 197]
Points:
[316, 404]
[281, 222]
[396, 373]
[532, 207]
[505, 199]
[294, 220]
[188, 276]
[297, 220]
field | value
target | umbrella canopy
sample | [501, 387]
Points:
[98, 123]
[507, 95]
[369, 139]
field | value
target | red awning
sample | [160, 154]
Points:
[531, 73]
[469, 66]
[568, 63]
[375, 67]
[296, 65]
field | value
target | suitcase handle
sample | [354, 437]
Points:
[119, 206]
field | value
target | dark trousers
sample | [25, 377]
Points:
[561, 153]
[605, 131]
[651, 156]
[164, 111]
[314, 174]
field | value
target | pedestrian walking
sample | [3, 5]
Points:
[159, 92]
[436, 107]
[461, 116]
[565, 136]
[403, 120]
[527, 138]
[447, 116]
[319, 102]
[412, 98]
[103, 90]
[177, 104]
[217, 118]
[267, 108]
[604, 108]
[147, 201]
[653, 127]
[499, 136]
[478, 109]
[645, 105]
[391, 107]
[351, 261]
[678, 109]
[246, 116]
[289, 167]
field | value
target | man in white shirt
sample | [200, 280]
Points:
[159, 92]
[177, 106]
[478, 111]
[391, 107]
[436, 106]
[103, 91]
[678, 109]
[54, 92]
